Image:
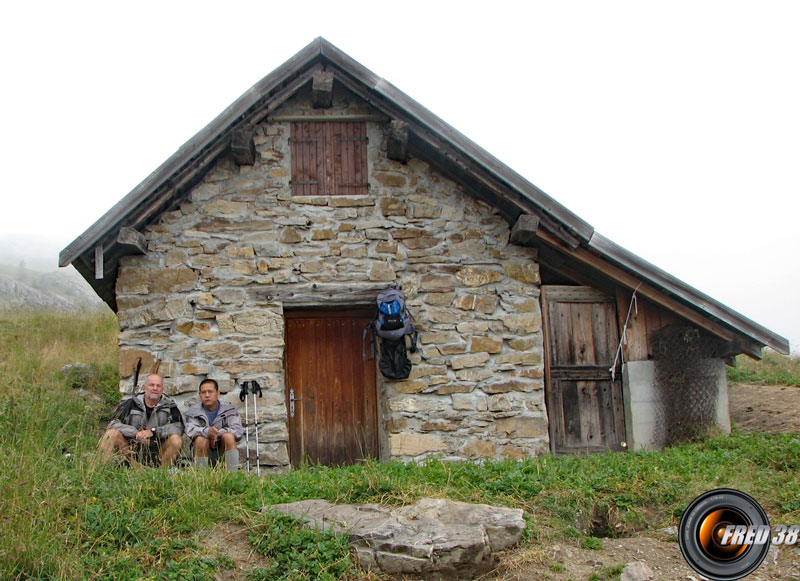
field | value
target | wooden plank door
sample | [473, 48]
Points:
[335, 417]
[584, 405]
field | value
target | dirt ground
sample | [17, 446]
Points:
[231, 540]
[753, 409]
[765, 408]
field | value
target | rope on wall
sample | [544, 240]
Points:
[633, 306]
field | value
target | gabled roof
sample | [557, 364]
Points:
[430, 138]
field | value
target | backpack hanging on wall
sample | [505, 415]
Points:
[392, 323]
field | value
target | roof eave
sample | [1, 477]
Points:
[395, 103]
[679, 289]
[217, 127]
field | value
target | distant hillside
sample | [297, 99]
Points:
[62, 290]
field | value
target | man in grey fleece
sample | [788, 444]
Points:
[149, 419]
[214, 425]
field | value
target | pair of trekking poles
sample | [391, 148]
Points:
[247, 388]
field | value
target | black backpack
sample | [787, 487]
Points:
[392, 323]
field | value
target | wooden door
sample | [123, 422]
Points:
[331, 388]
[584, 405]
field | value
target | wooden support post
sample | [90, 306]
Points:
[131, 241]
[523, 233]
[397, 146]
[322, 90]
[243, 147]
[98, 261]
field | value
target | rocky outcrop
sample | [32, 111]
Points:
[15, 295]
[64, 290]
[431, 539]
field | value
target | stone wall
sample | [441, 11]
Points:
[208, 297]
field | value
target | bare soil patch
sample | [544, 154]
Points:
[231, 540]
[765, 408]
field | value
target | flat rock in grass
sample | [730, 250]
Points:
[431, 539]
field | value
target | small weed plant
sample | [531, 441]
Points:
[298, 552]
[610, 573]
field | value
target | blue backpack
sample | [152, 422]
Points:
[392, 323]
[392, 320]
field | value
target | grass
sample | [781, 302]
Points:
[67, 517]
[607, 573]
[773, 369]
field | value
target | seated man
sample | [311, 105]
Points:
[150, 419]
[214, 424]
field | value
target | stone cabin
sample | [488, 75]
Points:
[256, 251]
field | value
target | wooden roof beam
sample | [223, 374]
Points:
[243, 146]
[98, 261]
[549, 258]
[322, 90]
[397, 141]
[523, 232]
[131, 241]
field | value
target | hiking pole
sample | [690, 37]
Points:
[243, 397]
[256, 390]
[136, 376]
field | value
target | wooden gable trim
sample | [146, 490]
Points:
[681, 290]
[194, 157]
[374, 118]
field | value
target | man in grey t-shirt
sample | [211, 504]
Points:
[214, 425]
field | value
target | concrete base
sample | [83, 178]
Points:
[643, 404]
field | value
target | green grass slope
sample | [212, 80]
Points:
[64, 516]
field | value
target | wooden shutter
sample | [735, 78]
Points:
[350, 158]
[329, 158]
[307, 159]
